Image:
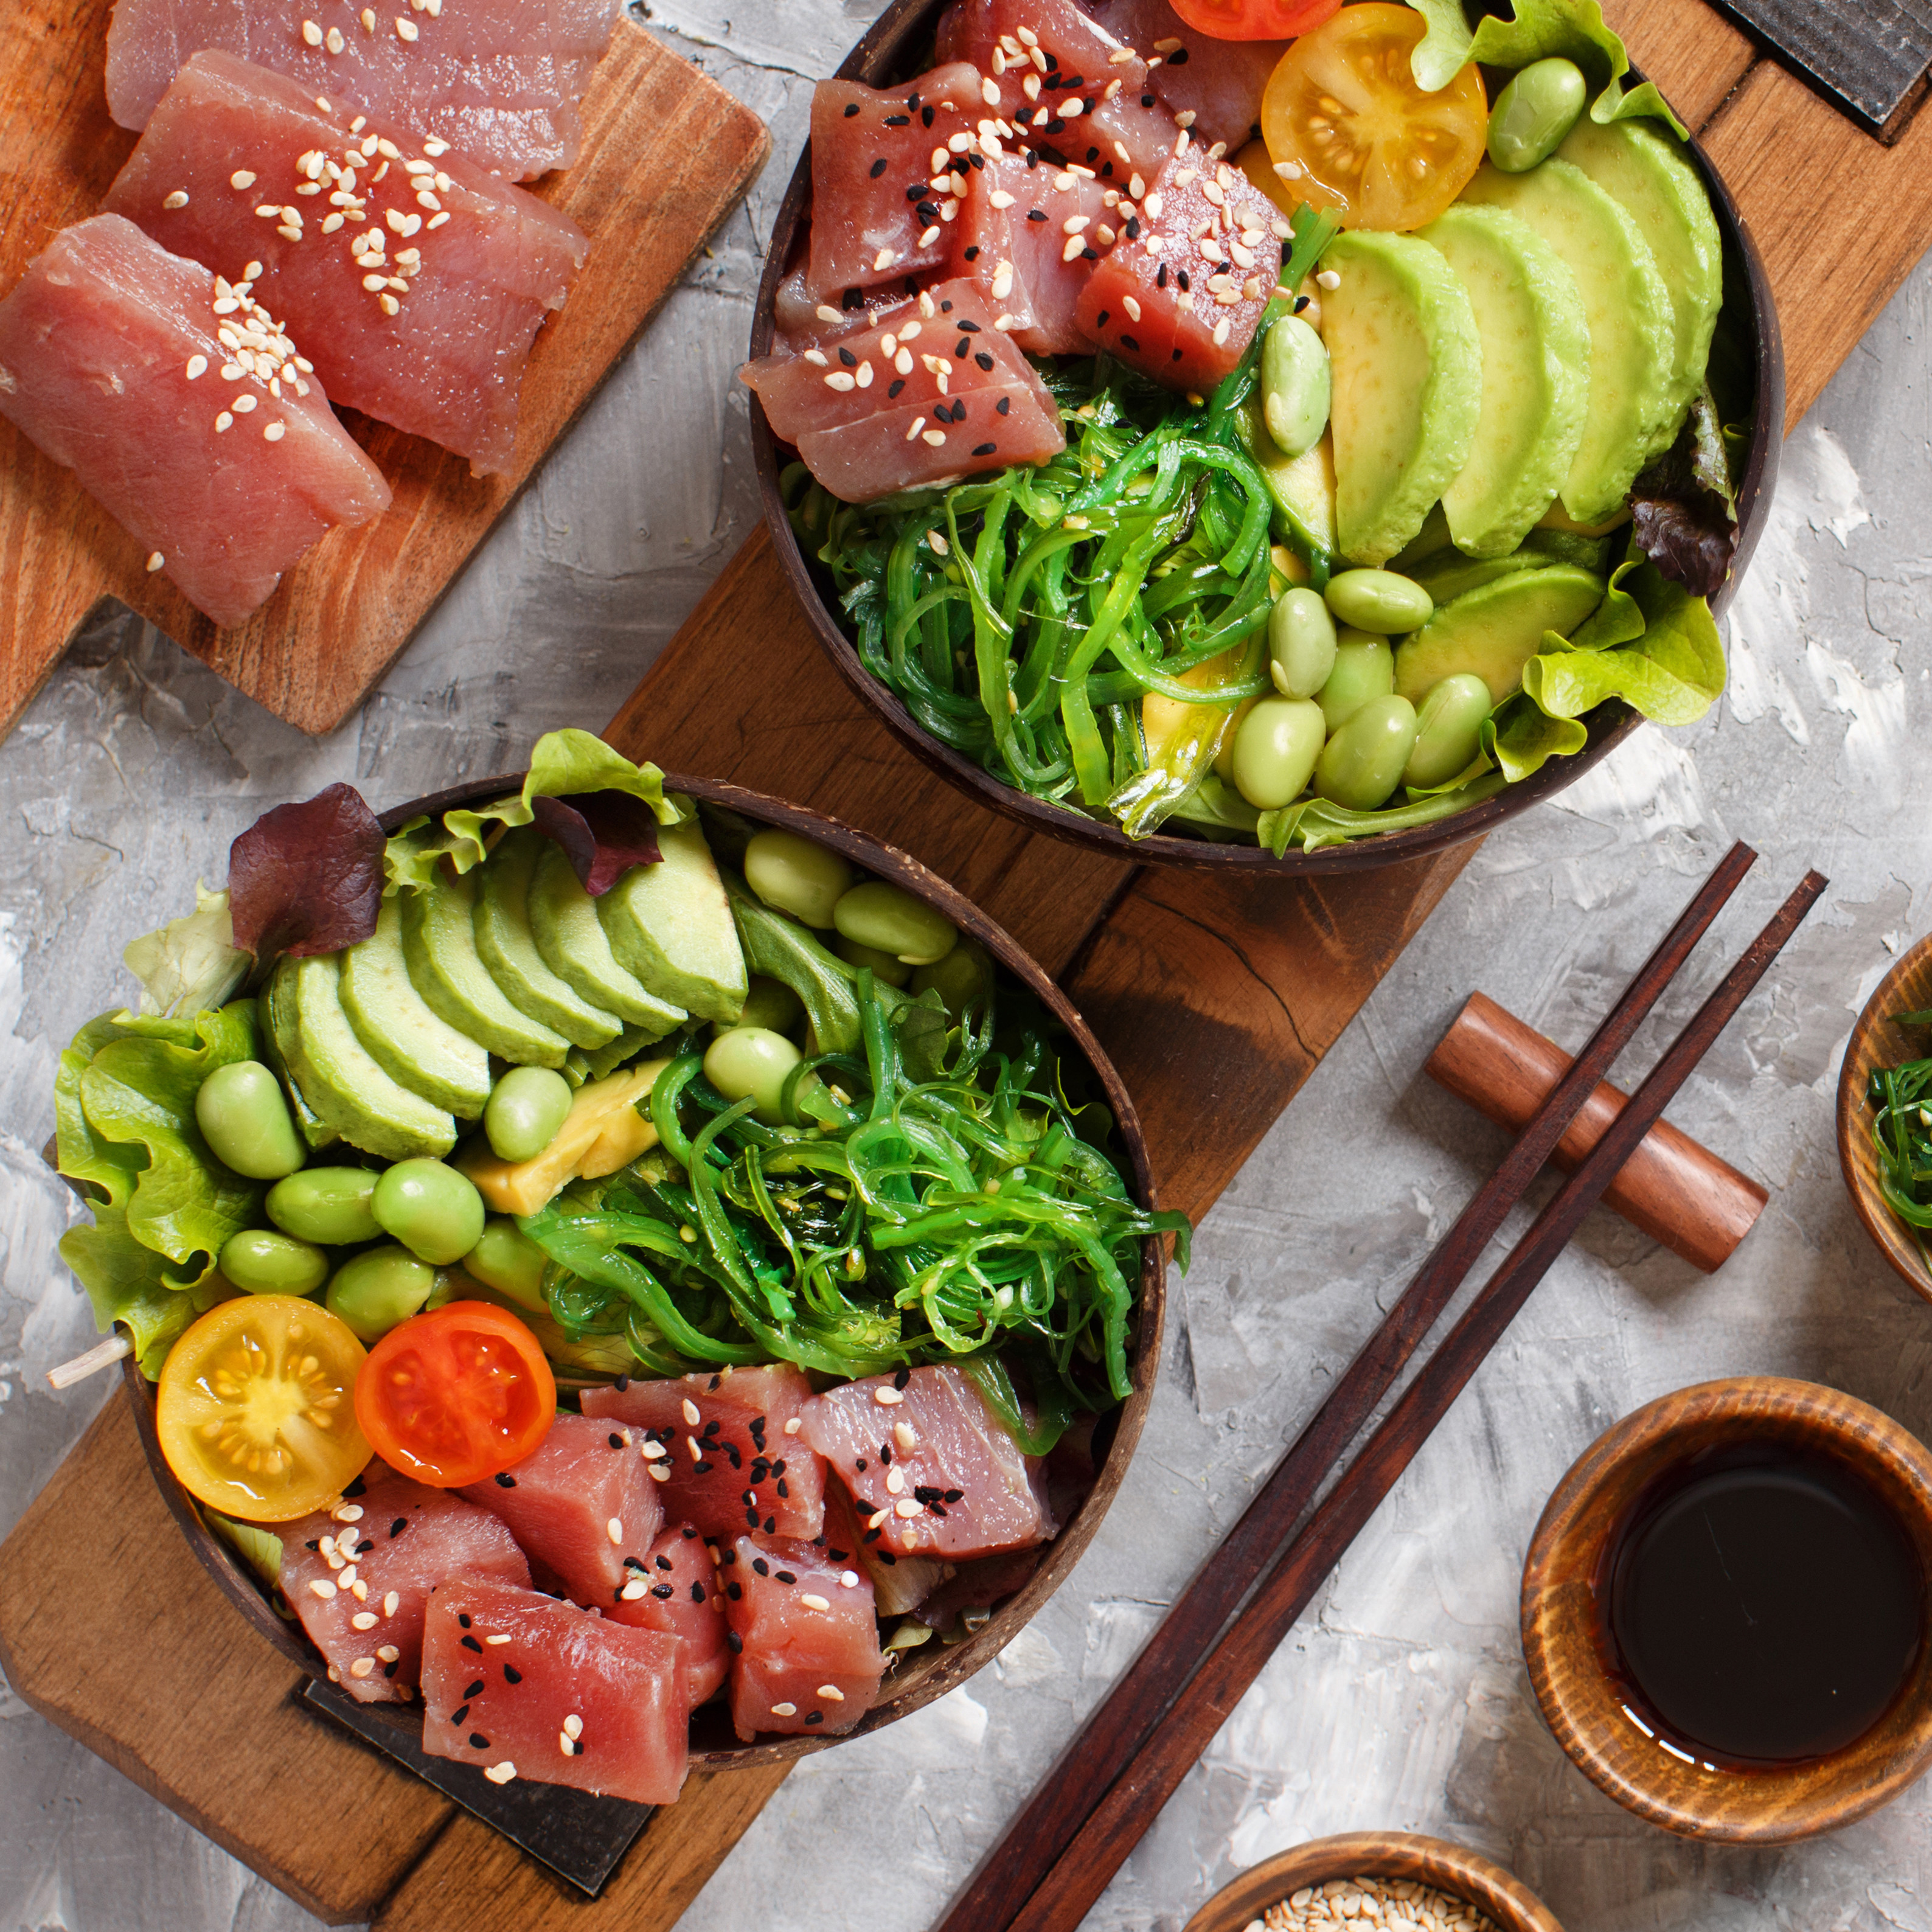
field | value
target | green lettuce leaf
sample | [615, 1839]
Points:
[1441, 53]
[1313, 823]
[126, 1282]
[1617, 619]
[191, 965]
[260, 1549]
[1672, 675]
[1522, 739]
[1575, 29]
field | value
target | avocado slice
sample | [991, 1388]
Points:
[284, 1045]
[1495, 630]
[411, 1042]
[440, 943]
[344, 1083]
[1448, 574]
[1536, 348]
[670, 924]
[1302, 488]
[1632, 403]
[1407, 376]
[571, 937]
[507, 947]
[1647, 174]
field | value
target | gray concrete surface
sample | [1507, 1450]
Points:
[1401, 1700]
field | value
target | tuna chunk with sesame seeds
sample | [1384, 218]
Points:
[942, 394]
[499, 79]
[801, 320]
[1220, 82]
[418, 281]
[532, 1689]
[360, 1588]
[808, 1658]
[579, 1505]
[731, 1465]
[1182, 303]
[676, 1591]
[111, 364]
[900, 1582]
[1030, 238]
[933, 1473]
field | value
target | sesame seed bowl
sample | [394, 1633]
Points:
[900, 45]
[918, 1675]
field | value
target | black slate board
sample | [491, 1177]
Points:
[1871, 57]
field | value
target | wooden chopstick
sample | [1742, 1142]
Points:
[1120, 1727]
[1131, 1803]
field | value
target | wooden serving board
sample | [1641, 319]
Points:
[667, 153]
[1216, 998]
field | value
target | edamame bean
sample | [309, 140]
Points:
[1379, 601]
[1533, 112]
[1362, 764]
[329, 1204]
[372, 1292]
[1301, 642]
[1364, 668]
[526, 1107]
[886, 966]
[434, 1211]
[796, 875]
[769, 1004]
[506, 1259]
[877, 914]
[964, 977]
[1295, 385]
[1448, 727]
[1275, 748]
[264, 1262]
[750, 1063]
[244, 1120]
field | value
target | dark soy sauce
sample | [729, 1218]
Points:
[1765, 1605]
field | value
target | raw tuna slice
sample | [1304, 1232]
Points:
[941, 395]
[381, 1565]
[581, 1506]
[876, 213]
[808, 1657]
[420, 279]
[1181, 303]
[1220, 82]
[733, 1462]
[929, 1465]
[803, 320]
[109, 363]
[899, 1582]
[677, 1592]
[1029, 237]
[532, 1688]
[500, 79]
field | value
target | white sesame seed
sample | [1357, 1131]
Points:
[929, 236]
[784, 1710]
[840, 379]
[883, 259]
[363, 1620]
[651, 1451]
[388, 305]
[241, 177]
[1328, 279]
[886, 1397]
[333, 40]
[501, 1774]
[1221, 330]
[1027, 38]
[434, 147]
[660, 1471]
[155, 560]
[388, 1653]
[310, 187]
[268, 211]
[502, 1636]
[197, 367]
[311, 33]
[327, 105]
[437, 220]
[1074, 224]
[906, 1507]
[367, 17]
[895, 1483]
[1133, 308]
[362, 1666]
[812, 1601]
[691, 1412]
[573, 1727]
[564, 1744]
[348, 1575]
[1076, 246]
[177, 199]
[904, 1435]
[273, 432]
[1005, 323]
[406, 29]
[633, 1590]
[293, 233]
[224, 422]
[1184, 122]
[369, 144]
[614, 1529]
[373, 282]
[791, 1427]
[331, 224]
[832, 1691]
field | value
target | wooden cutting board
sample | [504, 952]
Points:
[667, 153]
[1215, 997]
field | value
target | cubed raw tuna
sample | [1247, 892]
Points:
[900, 1582]
[808, 1657]
[676, 1591]
[1029, 238]
[1181, 302]
[110, 364]
[381, 1566]
[420, 279]
[877, 217]
[579, 1506]
[530, 1688]
[499, 79]
[943, 395]
[1219, 82]
[930, 1467]
[733, 1462]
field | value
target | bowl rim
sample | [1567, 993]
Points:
[1558, 1616]
[1456, 1869]
[929, 1676]
[896, 32]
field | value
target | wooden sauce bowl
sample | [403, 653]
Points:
[935, 1668]
[1498, 1894]
[1563, 1617]
[1875, 1042]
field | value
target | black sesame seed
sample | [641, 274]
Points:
[837, 1556]
[978, 160]
[1147, 100]
[782, 1490]
[751, 1518]
[633, 1563]
[984, 360]
[886, 1557]
[1056, 126]
[663, 1562]
[925, 115]
[475, 1690]
[917, 191]
[1177, 355]
[512, 1675]
[1300, 303]
[690, 1534]
[859, 1465]
[1133, 228]
[1128, 342]
[1005, 404]
[946, 308]
[505, 1480]
[356, 1488]
[771, 1525]
[815, 1718]
[1072, 83]
[759, 1563]
[923, 1493]
[898, 120]
[880, 167]
[315, 1543]
[912, 102]
[457, 1716]
[871, 1536]
[702, 1469]
[478, 1742]
[778, 1467]
[785, 1576]
[901, 1379]
[1160, 276]
[470, 1643]
[733, 1643]
[953, 1495]
[389, 1669]
[1032, 160]
[616, 1441]
[1178, 58]
[1037, 214]
[1180, 276]
[698, 1593]
[986, 449]
[663, 1592]
[853, 298]
[885, 1448]
[851, 108]
[1106, 170]
[936, 1509]
[1087, 255]
[463, 1617]
[624, 1381]
[750, 1497]
[734, 1590]
[851, 361]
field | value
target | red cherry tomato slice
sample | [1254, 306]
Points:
[453, 1396]
[1254, 20]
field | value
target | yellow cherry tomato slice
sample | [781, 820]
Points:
[1351, 132]
[256, 1407]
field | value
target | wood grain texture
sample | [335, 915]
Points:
[667, 152]
[1584, 1707]
[1677, 1191]
[1694, 55]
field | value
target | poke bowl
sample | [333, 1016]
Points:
[1057, 1465]
[931, 600]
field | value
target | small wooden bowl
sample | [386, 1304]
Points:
[1464, 1874]
[1877, 1041]
[1562, 1620]
[933, 1669]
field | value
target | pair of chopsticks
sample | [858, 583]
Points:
[1059, 1853]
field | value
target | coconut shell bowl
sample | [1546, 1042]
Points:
[935, 1668]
